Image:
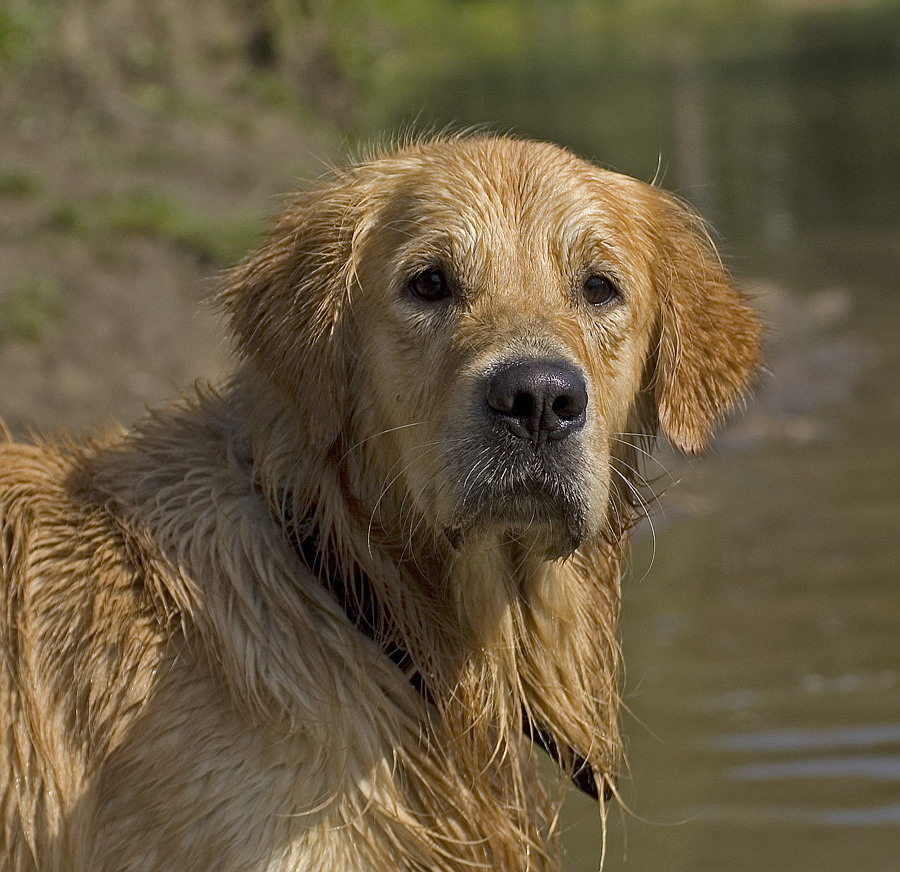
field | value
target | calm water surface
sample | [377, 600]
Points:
[762, 645]
[762, 622]
[763, 664]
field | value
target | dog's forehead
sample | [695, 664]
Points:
[520, 184]
[490, 195]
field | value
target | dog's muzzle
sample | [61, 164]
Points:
[519, 465]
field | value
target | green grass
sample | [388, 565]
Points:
[67, 218]
[268, 87]
[31, 309]
[16, 182]
[215, 239]
[22, 27]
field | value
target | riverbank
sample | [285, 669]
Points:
[139, 155]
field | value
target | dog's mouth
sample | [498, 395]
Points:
[527, 499]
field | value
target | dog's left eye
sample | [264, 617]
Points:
[430, 286]
[599, 290]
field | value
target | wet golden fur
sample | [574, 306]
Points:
[179, 690]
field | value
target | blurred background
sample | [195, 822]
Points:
[142, 144]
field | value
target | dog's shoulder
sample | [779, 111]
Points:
[61, 550]
[44, 492]
[27, 469]
[33, 500]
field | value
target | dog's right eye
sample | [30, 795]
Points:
[431, 285]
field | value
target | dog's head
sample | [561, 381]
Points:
[484, 321]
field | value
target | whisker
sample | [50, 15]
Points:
[646, 512]
[386, 487]
[363, 441]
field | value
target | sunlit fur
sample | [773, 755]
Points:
[180, 691]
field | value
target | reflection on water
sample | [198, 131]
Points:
[831, 739]
[762, 647]
[887, 815]
[774, 698]
[820, 767]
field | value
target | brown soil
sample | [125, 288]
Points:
[201, 141]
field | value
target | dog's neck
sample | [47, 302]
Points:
[359, 601]
[489, 632]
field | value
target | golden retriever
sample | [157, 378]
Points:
[313, 620]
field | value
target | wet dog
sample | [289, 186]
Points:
[315, 618]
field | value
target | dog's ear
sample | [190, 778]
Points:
[709, 337]
[286, 302]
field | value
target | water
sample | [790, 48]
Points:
[762, 646]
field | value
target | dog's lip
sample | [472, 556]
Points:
[555, 547]
[536, 488]
[554, 517]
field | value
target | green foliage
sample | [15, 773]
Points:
[66, 218]
[23, 27]
[17, 182]
[31, 309]
[214, 239]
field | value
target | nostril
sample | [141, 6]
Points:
[507, 399]
[523, 405]
[568, 406]
[509, 394]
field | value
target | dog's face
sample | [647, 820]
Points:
[483, 317]
[506, 321]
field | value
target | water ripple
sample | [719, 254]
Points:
[865, 736]
[880, 767]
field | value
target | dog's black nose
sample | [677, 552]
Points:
[538, 400]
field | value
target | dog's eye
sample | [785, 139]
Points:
[430, 286]
[599, 290]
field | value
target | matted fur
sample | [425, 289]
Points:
[180, 689]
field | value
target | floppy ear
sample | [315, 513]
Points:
[709, 336]
[286, 301]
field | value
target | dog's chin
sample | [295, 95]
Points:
[550, 528]
[536, 501]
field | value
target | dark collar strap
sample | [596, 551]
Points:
[362, 610]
